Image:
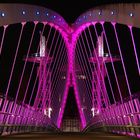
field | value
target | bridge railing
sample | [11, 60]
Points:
[23, 119]
[121, 119]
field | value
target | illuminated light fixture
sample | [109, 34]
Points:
[23, 12]
[106, 54]
[2, 14]
[47, 14]
[42, 46]
[81, 77]
[54, 16]
[92, 109]
[132, 115]
[49, 112]
[124, 116]
[63, 77]
[99, 13]
[131, 14]
[97, 112]
[45, 112]
[37, 12]
[12, 115]
[112, 12]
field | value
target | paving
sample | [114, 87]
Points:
[67, 136]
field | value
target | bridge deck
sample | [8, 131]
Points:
[67, 136]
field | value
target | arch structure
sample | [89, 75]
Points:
[90, 62]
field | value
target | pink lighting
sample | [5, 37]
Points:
[83, 56]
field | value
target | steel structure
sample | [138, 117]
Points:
[79, 56]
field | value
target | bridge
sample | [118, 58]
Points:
[58, 79]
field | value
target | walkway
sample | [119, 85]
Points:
[67, 136]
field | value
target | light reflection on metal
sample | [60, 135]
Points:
[42, 46]
[99, 58]
[71, 79]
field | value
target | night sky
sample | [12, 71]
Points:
[69, 9]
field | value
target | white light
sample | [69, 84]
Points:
[49, 112]
[12, 115]
[2, 14]
[124, 116]
[47, 14]
[23, 12]
[106, 54]
[132, 115]
[45, 112]
[63, 77]
[112, 13]
[131, 15]
[100, 46]
[100, 13]
[92, 109]
[37, 13]
[42, 46]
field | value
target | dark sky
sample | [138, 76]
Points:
[69, 9]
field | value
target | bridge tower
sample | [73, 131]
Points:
[99, 92]
[42, 100]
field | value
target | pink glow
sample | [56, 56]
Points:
[70, 71]
[116, 111]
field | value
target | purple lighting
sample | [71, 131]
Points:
[47, 60]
